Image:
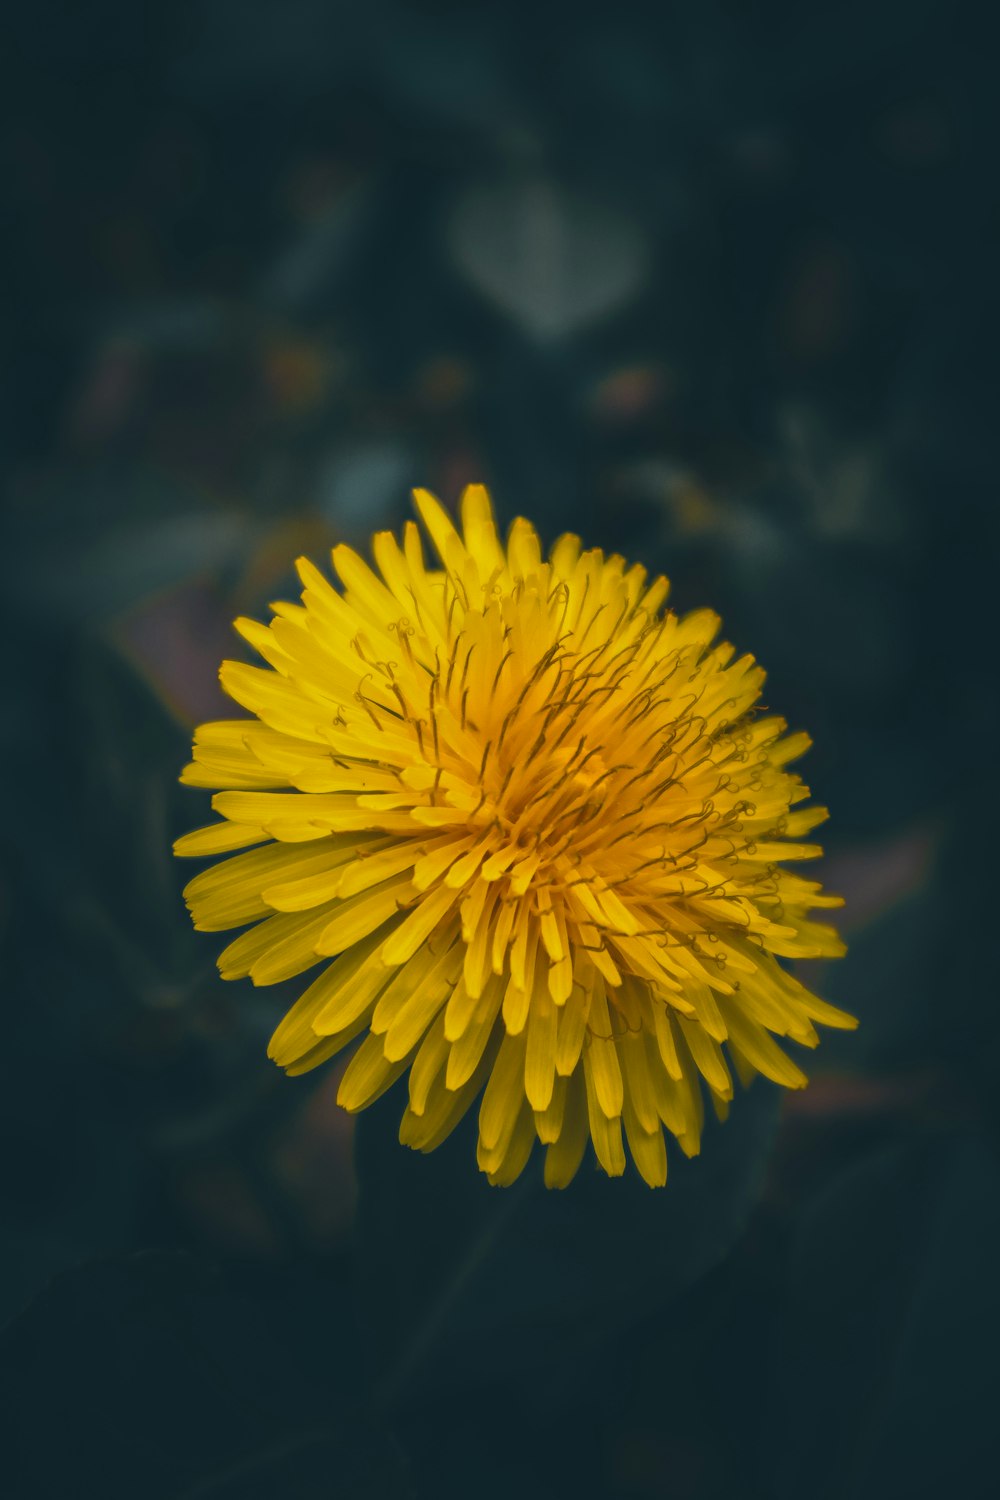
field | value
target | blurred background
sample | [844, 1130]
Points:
[710, 286]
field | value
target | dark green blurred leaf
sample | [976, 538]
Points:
[551, 260]
[312, 263]
[362, 1464]
[892, 983]
[110, 541]
[450, 67]
[362, 485]
[168, 1379]
[884, 1385]
[910, 902]
[302, 50]
[115, 806]
[467, 1284]
[166, 324]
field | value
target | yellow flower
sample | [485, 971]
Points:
[530, 826]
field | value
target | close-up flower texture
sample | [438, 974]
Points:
[529, 827]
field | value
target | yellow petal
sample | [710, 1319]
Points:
[439, 524]
[563, 1157]
[504, 1093]
[638, 1085]
[648, 1148]
[549, 1122]
[353, 919]
[752, 1042]
[601, 1057]
[218, 838]
[345, 991]
[480, 529]
[606, 1132]
[467, 1049]
[540, 1053]
[426, 1069]
[420, 1002]
[368, 1075]
[504, 1168]
[707, 1055]
[428, 913]
[573, 1018]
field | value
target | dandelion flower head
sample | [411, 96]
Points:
[528, 827]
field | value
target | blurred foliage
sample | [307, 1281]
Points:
[709, 286]
[462, 1290]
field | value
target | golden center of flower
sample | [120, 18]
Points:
[579, 764]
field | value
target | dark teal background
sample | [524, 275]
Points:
[711, 285]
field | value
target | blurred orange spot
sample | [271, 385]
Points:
[297, 375]
[314, 187]
[315, 1163]
[851, 1094]
[820, 311]
[269, 565]
[875, 878]
[444, 381]
[222, 1203]
[694, 511]
[176, 640]
[630, 393]
[109, 392]
[455, 469]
